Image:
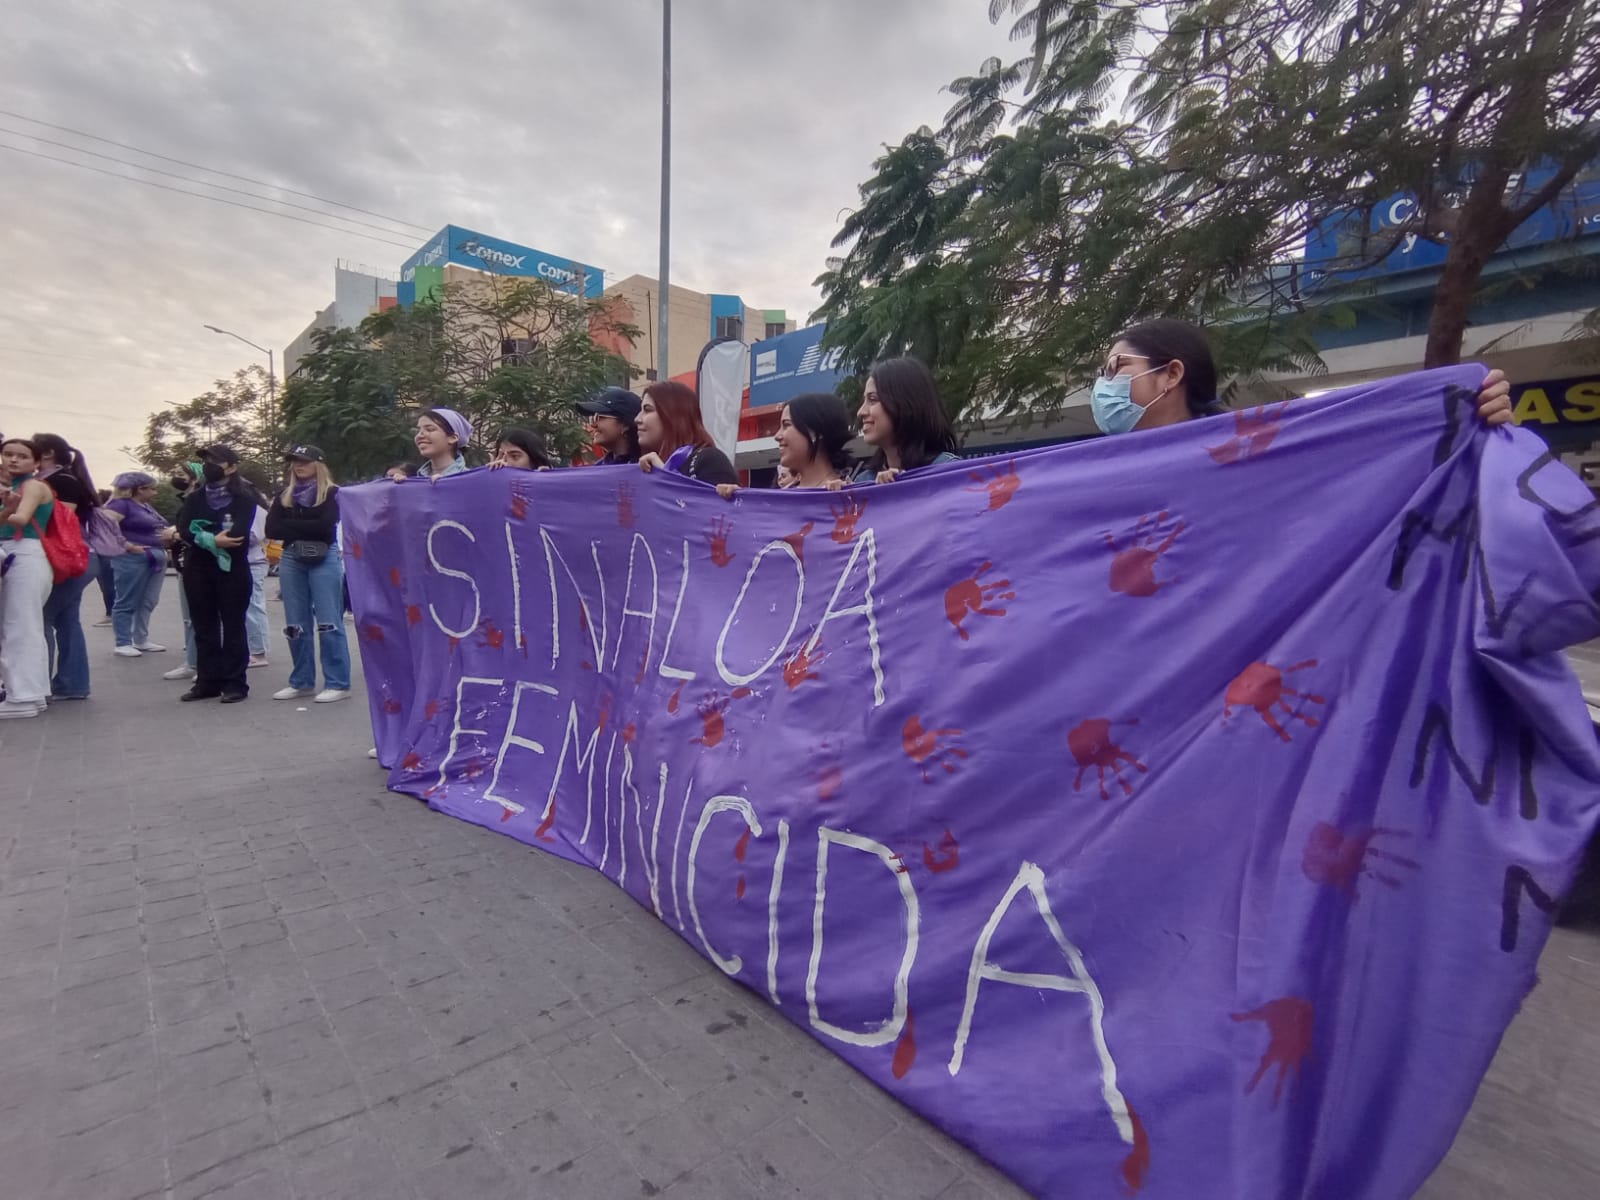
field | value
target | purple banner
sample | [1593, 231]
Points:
[1176, 814]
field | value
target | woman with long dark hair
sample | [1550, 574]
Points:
[26, 506]
[675, 439]
[903, 420]
[214, 524]
[66, 474]
[813, 432]
[522, 449]
[1161, 373]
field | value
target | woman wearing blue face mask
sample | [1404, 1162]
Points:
[1161, 372]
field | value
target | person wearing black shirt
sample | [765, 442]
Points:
[214, 525]
[611, 422]
[675, 439]
[305, 518]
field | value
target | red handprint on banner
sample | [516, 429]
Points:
[1260, 686]
[712, 709]
[394, 576]
[413, 614]
[493, 636]
[846, 510]
[1254, 430]
[797, 540]
[625, 513]
[1091, 745]
[411, 762]
[970, 596]
[946, 858]
[372, 633]
[930, 748]
[1289, 1021]
[1133, 567]
[1337, 860]
[1000, 483]
[519, 503]
[717, 535]
[798, 669]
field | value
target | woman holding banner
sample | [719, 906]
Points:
[1161, 372]
[442, 434]
[522, 449]
[675, 439]
[813, 431]
[903, 419]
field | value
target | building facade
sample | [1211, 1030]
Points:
[357, 293]
[693, 319]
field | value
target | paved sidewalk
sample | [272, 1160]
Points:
[231, 964]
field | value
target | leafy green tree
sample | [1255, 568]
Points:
[1169, 158]
[234, 412]
[503, 352]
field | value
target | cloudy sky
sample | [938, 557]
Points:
[536, 121]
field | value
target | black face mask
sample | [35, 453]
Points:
[213, 473]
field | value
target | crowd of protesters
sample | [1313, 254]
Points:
[58, 533]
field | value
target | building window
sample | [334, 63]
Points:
[776, 329]
[730, 327]
[515, 351]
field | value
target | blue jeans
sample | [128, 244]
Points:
[138, 589]
[189, 659]
[314, 593]
[101, 567]
[255, 617]
[63, 635]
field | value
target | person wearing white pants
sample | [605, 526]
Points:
[27, 580]
[255, 617]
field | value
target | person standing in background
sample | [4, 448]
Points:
[108, 586]
[66, 474]
[255, 617]
[214, 525]
[305, 518]
[141, 568]
[25, 581]
[183, 483]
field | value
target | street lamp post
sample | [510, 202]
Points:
[666, 183]
[272, 378]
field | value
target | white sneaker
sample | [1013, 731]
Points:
[20, 708]
[331, 695]
[128, 652]
[150, 647]
[258, 660]
[183, 672]
[373, 753]
[293, 693]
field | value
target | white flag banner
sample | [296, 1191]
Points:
[723, 372]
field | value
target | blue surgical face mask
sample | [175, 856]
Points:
[1113, 405]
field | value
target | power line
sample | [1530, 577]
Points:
[222, 187]
[88, 358]
[211, 170]
[271, 212]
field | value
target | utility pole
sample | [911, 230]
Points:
[666, 184]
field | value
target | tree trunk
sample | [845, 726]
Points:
[1469, 252]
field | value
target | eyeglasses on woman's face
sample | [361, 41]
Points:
[1115, 364]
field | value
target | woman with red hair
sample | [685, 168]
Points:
[674, 437]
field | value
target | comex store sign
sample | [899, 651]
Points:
[507, 261]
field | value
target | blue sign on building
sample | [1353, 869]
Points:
[1574, 213]
[453, 244]
[781, 368]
